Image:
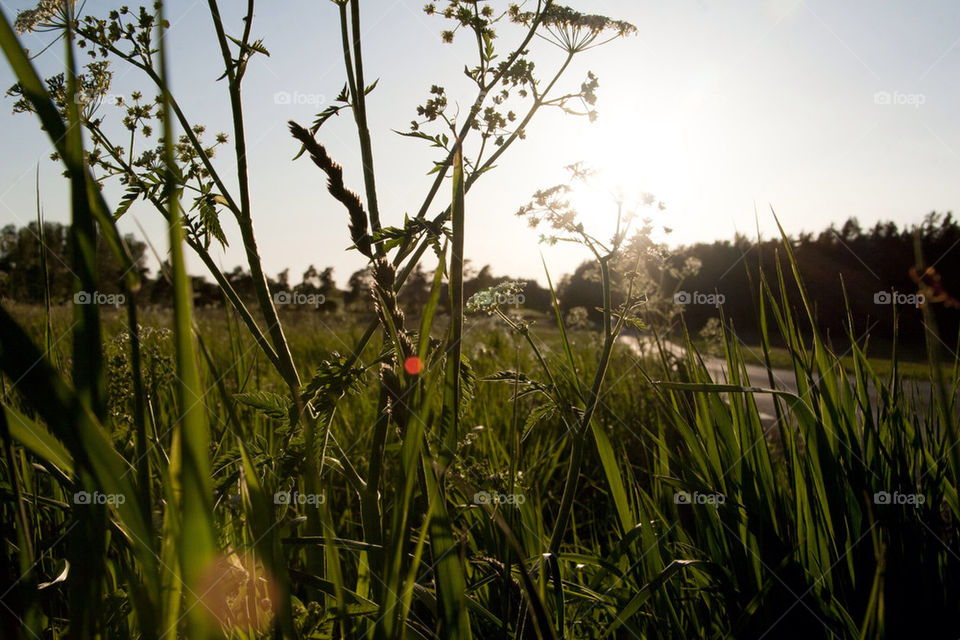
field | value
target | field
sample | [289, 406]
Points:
[686, 510]
[453, 467]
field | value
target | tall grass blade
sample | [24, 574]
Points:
[196, 543]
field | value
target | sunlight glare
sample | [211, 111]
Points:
[649, 166]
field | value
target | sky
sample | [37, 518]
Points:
[816, 110]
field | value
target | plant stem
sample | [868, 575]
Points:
[287, 367]
[360, 115]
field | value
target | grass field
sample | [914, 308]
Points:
[742, 533]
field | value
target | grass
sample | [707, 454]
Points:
[745, 557]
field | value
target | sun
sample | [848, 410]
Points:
[639, 166]
[610, 202]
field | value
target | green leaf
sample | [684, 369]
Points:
[648, 590]
[131, 195]
[270, 404]
[39, 441]
[197, 540]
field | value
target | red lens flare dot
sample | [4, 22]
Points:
[413, 365]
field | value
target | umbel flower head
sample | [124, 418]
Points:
[45, 15]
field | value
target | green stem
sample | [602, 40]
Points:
[288, 369]
[360, 115]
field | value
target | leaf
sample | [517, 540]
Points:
[468, 383]
[527, 385]
[255, 46]
[451, 578]
[210, 217]
[62, 577]
[39, 441]
[647, 590]
[538, 415]
[391, 237]
[371, 87]
[131, 195]
[436, 141]
[198, 541]
[325, 115]
[272, 405]
[426, 318]
[334, 377]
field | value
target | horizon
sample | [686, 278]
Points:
[796, 107]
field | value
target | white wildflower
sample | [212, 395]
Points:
[43, 15]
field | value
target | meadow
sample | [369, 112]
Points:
[248, 470]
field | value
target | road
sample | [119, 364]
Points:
[783, 379]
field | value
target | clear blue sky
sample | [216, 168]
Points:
[714, 107]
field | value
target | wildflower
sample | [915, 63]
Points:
[43, 15]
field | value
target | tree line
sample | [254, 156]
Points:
[870, 271]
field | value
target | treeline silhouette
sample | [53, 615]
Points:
[22, 277]
[872, 272]
[843, 267]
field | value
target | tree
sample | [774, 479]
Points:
[21, 274]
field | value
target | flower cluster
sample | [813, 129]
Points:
[472, 15]
[571, 30]
[42, 17]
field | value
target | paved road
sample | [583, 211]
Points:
[784, 380]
